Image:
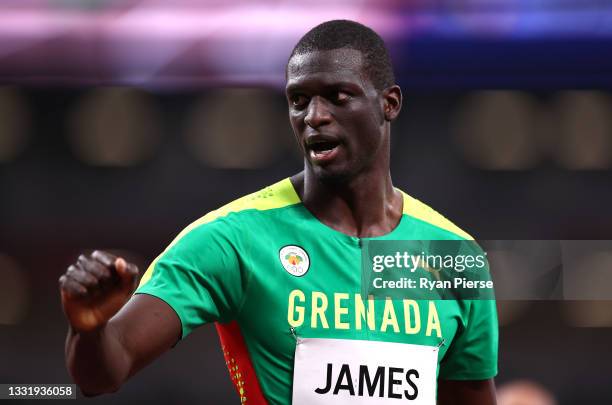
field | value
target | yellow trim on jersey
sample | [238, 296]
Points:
[419, 210]
[277, 195]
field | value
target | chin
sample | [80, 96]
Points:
[332, 176]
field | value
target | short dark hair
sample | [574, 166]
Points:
[338, 34]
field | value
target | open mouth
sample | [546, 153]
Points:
[323, 149]
[323, 146]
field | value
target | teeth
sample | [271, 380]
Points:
[322, 152]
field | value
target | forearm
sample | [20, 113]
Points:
[97, 361]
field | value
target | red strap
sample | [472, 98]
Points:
[239, 364]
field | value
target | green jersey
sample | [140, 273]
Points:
[269, 273]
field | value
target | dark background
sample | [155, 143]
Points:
[507, 134]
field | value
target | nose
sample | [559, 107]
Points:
[317, 114]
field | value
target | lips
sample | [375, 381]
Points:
[322, 148]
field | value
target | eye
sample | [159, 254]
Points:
[298, 100]
[341, 97]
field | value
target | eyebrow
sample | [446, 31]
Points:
[296, 87]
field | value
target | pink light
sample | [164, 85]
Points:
[183, 23]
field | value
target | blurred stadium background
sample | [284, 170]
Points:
[121, 121]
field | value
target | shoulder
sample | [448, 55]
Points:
[275, 196]
[217, 229]
[424, 213]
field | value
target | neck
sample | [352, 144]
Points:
[366, 206]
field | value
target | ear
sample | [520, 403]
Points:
[392, 102]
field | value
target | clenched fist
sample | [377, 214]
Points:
[95, 288]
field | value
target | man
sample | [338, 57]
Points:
[279, 270]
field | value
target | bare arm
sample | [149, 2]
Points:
[111, 334]
[475, 392]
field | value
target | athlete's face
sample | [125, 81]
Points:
[339, 118]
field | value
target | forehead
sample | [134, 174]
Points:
[335, 64]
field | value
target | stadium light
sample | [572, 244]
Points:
[217, 138]
[14, 291]
[583, 130]
[14, 119]
[115, 127]
[495, 130]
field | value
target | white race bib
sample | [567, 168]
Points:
[339, 371]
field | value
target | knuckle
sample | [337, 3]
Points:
[89, 267]
[90, 271]
[74, 281]
[80, 291]
[92, 280]
[100, 274]
[98, 269]
[98, 255]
